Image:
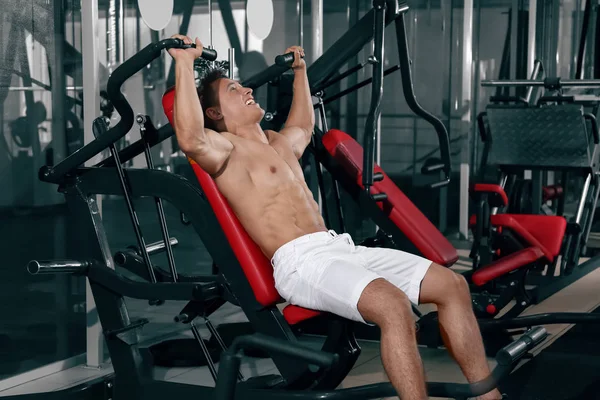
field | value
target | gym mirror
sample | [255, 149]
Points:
[156, 13]
[260, 17]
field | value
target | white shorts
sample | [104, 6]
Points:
[325, 271]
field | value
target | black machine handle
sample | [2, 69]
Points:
[126, 70]
[283, 63]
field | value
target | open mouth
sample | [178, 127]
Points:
[250, 102]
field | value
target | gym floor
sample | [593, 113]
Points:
[581, 296]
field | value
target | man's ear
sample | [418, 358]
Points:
[214, 114]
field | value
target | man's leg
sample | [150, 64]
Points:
[458, 325]
[387, 306]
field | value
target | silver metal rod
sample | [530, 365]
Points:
[594, 83]
[39, 88]
[537, 66]
[56, 267]
[301, 23]
[111, 33]
[583, 201]
[157, 247]
[121, 32]
[231, 54]
[210, 24]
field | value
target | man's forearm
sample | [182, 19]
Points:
[302, 113]
[188, 115]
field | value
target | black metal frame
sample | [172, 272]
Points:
[186, 197]
[133, 376]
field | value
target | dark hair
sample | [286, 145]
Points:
[207, 93]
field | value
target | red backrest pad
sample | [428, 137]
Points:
[256, 266]
[407, 217]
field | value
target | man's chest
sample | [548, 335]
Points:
[273, 161]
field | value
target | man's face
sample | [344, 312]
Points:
[237, 105]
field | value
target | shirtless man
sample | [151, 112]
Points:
[258, 172]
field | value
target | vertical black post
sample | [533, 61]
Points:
[352, 98]
[587, 13]
[597, 46]
[376, 94]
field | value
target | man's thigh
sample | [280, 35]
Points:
[404, 270]
[333, 283]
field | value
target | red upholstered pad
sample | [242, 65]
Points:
[256, 266]
[543, 231]
[499, 197]
[506, 264]
[294, 314]
[407, 217]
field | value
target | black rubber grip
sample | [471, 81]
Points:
[208, 54]
[285, 60]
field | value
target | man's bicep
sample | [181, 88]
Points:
[299, 138]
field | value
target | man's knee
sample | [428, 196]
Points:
[443, 286]
[458, 288]
[382, 303]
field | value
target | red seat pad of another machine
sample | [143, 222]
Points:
[504, 265]
[407, 217]
[257, 268]
[543, 231]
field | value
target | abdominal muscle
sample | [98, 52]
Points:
[285, 215]
[274, 208]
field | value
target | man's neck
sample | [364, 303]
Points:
[251, 132]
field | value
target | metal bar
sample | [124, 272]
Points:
[596, 55]
[35, 267]
[584, 194]
[346, 47]
[537, 67]
[531, 42]
[91, 105]
[166, 243]
[100, 128]
[230, 26]
[157, 247]
[121, 32]
[210, 24]
[371, 127]
[209, 362]
[358, 86]
[343, 75]
[413, 104]
[466, 97]
[301, 22]
[593, 83]
[587, 13]
[46, 87]
[188, 8]
[231, 55]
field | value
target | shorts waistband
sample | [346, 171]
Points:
[302, 239]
